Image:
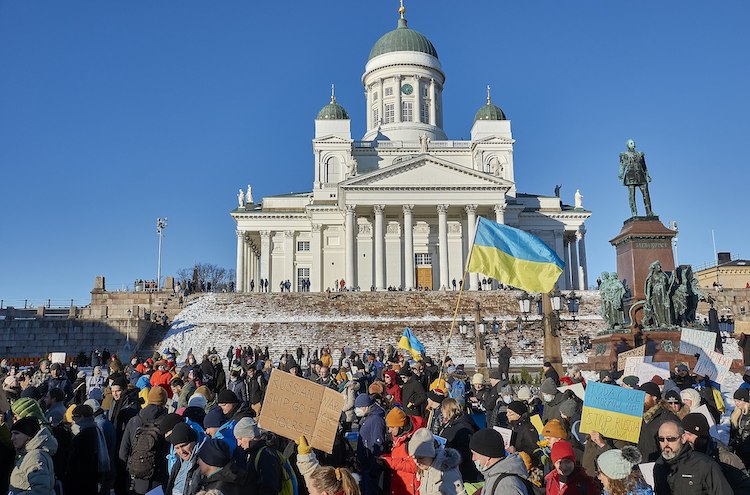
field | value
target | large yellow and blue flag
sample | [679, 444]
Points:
[411, 343]
[514, 257]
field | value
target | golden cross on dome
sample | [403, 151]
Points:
[402, 9]
[488, 95]
[333, 94]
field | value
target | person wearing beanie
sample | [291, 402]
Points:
[83, 463]
[682, 378]
[217, 472]
[525, 436]
[616, 473]
[27, 407]
[552, 399]
[403, 473]
[550, 372]
[674, 401]
[79, 388]
[568, 476]
[655, 412]
[124, 407]
[372, 440]
[255, 457]
[413, 395]
[502, 474]
[145, 420]
[185, 441]
[739, 425]
[553, 431]
[435, 397]
[697, 434]
[681, 470]
[58, 380]
[392, 386]
[438, 467]
[232, 407]
[630, 381]
[477, 395]
[34, 470]
[457, 430]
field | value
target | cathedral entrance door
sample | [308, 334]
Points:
[423, 264]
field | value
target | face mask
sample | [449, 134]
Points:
[481, 468]
[547, 397]
[360, 412]
[507, 399]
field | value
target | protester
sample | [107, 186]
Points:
[439, 474]
[217, 473]
[323, 480]
[739, 433]
[503, 475]
[617, 474]
[402, 468]
[371, 443]
[552, 399]
[698, 436]
[256, 459]
[84, 470]
[34, 472]
[568, 477]
[655, 413]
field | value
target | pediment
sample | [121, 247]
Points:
[332, 138]
[425, 171]
[494, 140]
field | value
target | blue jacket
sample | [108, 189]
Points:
[372, 436]
[172, 456]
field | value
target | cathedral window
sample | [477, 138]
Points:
[375, 117]
[424, 90]
[389, 113]
[424, 112]
[388, 92]
[375, 96]
[406, 111]
[333, 171]
[303, 245]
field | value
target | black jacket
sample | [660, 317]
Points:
[266, 479]
[82, 472]
[525, 438]
[414, 397]
[491, 398]
[503, 357]
[148, 414]
[691, 473]
[552, 408]
[256, 387]
[457, 434]
[228, 481]
[652, 420]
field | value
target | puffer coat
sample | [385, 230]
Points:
[34, 473]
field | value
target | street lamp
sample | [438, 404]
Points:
[524, 303]
[574, 304]
[463, 327]
[161, 224]
[556, 299]
[127, 335]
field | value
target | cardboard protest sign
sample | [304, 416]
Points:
[613, 411]
[57, 357]
[638, 351]
[506, 433]
[713, 365]
[647, 470]
[695, 341]
[632, 363]
[576, 388]
[293, 407]
[646, 371]
[537, 422]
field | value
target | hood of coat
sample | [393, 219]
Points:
[43, 440]
[446, 459]
[661, 407]
[513, 464]
[151, 412]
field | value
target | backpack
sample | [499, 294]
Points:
[288, 478]
[142, 458]
[531, 488]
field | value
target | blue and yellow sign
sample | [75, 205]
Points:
[615, 412]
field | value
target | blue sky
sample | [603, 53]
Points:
[115, 113]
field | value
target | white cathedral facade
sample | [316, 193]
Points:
[398, 207]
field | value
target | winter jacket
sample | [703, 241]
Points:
[82, 472]
[492, 398]
[402, 466]
[227, 481]
[689, 472]
[350, 395]
[552, 408]
[652, 420]
[503, 358]
[578, 483]
[266, 478]
[122, 412]
[256, 388]
[239, 387]
[414, 397]
[184, 476]
[457, 433]
[394, 389]
[443, 476]
[79, 391]
[508, 485]
[161, 379]
[34, 473]
[148, 414]
[372, 437]
[525, 438]
[63, 384]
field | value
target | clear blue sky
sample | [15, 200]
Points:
[115, 113]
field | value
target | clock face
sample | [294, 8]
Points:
[407, 89]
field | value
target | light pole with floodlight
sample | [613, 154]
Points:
[161, 224]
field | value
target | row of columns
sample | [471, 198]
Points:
[574, 255]
[416, 97]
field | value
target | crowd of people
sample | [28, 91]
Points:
[407, 427]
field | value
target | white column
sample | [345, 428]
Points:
[381, 98]
[471, 225]
[408, 247]
[397, 89]
[433, 102]
[560, 250]
[349, 227]
[379, 248]
[265, 256]
[500, 212]
[574, 263]
[248, 264]
[580, 235]
[566, 259]
[368, 97]
[443, 245]
[289, 260]
[415, 115]
[253, 266]
[316, 270]
[240, 262]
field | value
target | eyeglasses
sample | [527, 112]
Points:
[667, 439]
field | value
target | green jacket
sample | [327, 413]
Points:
[34, 473]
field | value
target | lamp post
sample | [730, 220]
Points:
[127, 335]
[161, 224]
[481, 353]
[551, 325]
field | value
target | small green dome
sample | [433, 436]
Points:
[333, 111]
[490, 112]
[402, 39]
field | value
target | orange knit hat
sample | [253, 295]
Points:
[396, 417]
[554, 429]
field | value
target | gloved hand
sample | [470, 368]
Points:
[303, 448]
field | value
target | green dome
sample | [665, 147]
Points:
[490, 112]
[333, 111]
[402, 39]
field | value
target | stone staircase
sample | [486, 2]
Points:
[369, 320]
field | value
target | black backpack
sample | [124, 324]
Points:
[143, 452]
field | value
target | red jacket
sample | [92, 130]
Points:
[403, 469]
[162, 379]
[394, 389]
[579, 483]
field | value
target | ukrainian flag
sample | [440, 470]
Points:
[411, 343]
[514, 257]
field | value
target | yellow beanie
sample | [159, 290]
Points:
[554, 429]
[396, 417]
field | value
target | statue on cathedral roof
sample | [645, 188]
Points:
[241, 198]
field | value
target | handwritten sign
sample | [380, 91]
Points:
[713, 365]
[632, 364]
[576, 388]
[293, 407]
[506, 433]
[613, 411]
[638, 351]
[696, 341]
[646, 371]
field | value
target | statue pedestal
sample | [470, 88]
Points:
[642, 241]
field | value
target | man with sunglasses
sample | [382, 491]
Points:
[681, 470]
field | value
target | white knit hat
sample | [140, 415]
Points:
[422, 444]
[523, 393]
[477, 379]
[618, 464]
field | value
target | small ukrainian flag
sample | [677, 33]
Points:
[514, 257]
[411, 343]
